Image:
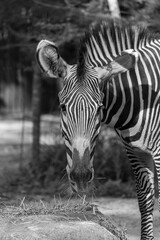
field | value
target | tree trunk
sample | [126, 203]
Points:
[114, 8]
[36, 112]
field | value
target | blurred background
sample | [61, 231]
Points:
[32, 154]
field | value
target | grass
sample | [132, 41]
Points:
[68, 210]
[27, 208]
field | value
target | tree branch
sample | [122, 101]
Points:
[50, 5]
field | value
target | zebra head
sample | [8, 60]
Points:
[81, 101]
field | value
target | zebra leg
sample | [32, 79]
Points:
[143, 168]
[145, 194]
[157, 164]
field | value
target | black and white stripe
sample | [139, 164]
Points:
[82, 105]
[131, 103]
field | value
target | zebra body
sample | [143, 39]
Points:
[116, 81]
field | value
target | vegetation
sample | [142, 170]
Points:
[113, 176]
[58, 211]
[23, 24]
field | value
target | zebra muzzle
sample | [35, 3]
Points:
[81, 172]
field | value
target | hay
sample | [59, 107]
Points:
[59, 211]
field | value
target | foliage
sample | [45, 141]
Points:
[23, 24]
[111, 161]
[116, 189]
[52, 164]
[113, 176]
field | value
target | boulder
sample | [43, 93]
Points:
[43, 221]
[51, 228]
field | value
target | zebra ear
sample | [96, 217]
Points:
[120, 64]
[49, 59]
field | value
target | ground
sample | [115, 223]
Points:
[123, 211]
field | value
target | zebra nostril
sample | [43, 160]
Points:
[74, 186]
[72, 181]
[72, 177]
[90, 176]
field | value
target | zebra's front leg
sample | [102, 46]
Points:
[143, 169]
[146, 196]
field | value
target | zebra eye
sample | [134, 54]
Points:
[99, 110]
[90, 177]
[72, 177]
[63, 108]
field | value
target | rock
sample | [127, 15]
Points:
[49, 227]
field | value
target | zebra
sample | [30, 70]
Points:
[116, 81]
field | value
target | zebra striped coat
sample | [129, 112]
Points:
[116, 81]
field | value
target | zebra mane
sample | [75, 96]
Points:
[103, 42]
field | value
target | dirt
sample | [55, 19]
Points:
[125, 212]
